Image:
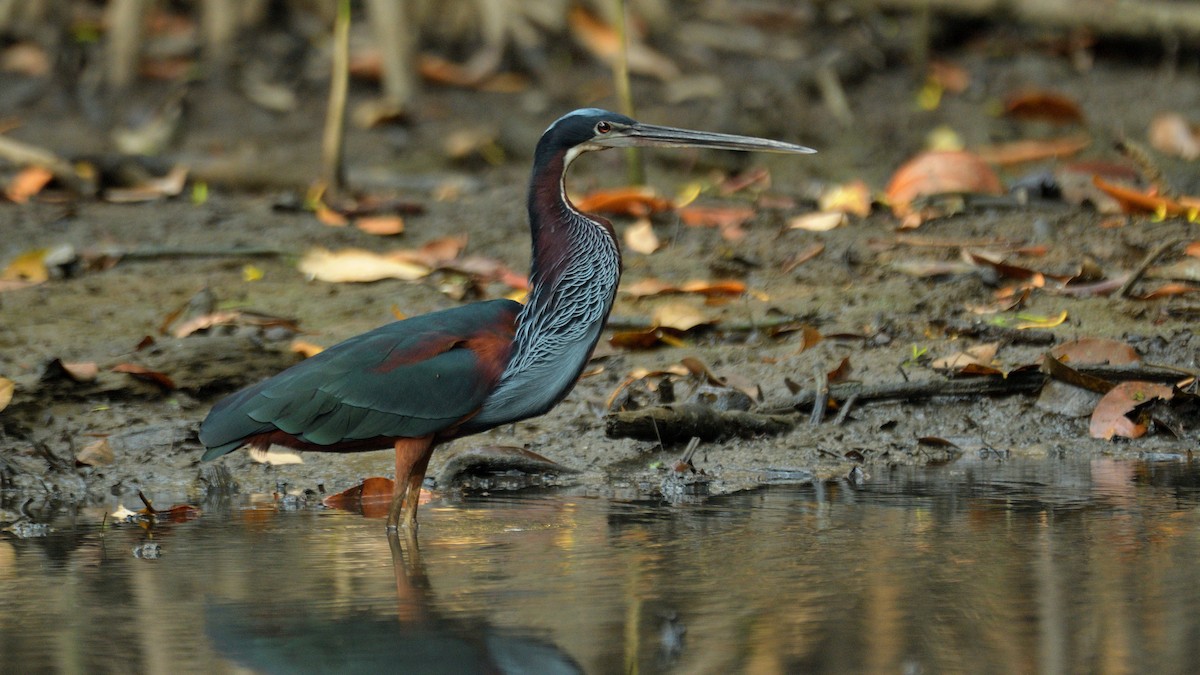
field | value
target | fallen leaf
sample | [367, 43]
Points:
[7, 388]
[443, 71]
[1111, 416]
[640, 237]
[233, 317]
[380, 225]
[647, 338]
[357, 265]
[145, 374]
[937, 173]
[636, 201]
[853, 198]
[29, 267]
[680, 316]
[603, 42]
[1168, 290]
[982, 355]
[1036, 104]
[1095, 351]
[1149, 201]
[433, 253]
[330, 217]
[716, 216]
[80, 371]
[818, 221]
[1171, 134]
[372, 498]
[27, 183]
[97, 453]
[151, 189]
[309, 349]
[1193, 249]
[1034, 150]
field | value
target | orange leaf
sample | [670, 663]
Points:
[7, 388]
[715, 216]
[853, 197]
[330, 217]
[380, 225]
[372, 497]
[1134, 201]
[308, 349]
[1168, 290]
[1111, 415]
[27, 183]
[1043, 105]
[635, 200]
[940, 172]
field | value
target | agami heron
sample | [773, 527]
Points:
[415, 383]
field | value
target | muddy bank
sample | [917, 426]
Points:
[859, 291]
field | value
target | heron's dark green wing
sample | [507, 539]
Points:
[407, 379]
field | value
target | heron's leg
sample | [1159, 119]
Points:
[412, 494]
[412, 455]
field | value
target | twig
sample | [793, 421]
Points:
[633, 156]
[845, 411]
[1140, 271]
[821, 398]
[333, 141]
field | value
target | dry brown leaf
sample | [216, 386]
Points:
[145, 374]
[640, 237]
[1034, 150]
[646, 339]
[152, 189]
[978, 355]
[354, 265]
[97, 453]
[7, 388]
[1192, 249]
[603, 42]
[818, 221]
[28, 183]
[1095, 351]
[380, 225]
[1035, 104]
[652, 286]
[1111, 416]
[1168, 290]
[1171, 134]
[937, 173]
[715, 216]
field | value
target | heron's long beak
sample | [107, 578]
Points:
[655, 136]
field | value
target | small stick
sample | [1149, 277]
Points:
[1140, 271]
[821, 398]
[845, 411]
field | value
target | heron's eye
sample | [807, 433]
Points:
[603, 127]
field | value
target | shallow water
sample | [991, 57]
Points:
[987, 567]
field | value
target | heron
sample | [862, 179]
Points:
[416, 383]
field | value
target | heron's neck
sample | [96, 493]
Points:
[575, 270]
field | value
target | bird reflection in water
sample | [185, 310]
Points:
[290, 639]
